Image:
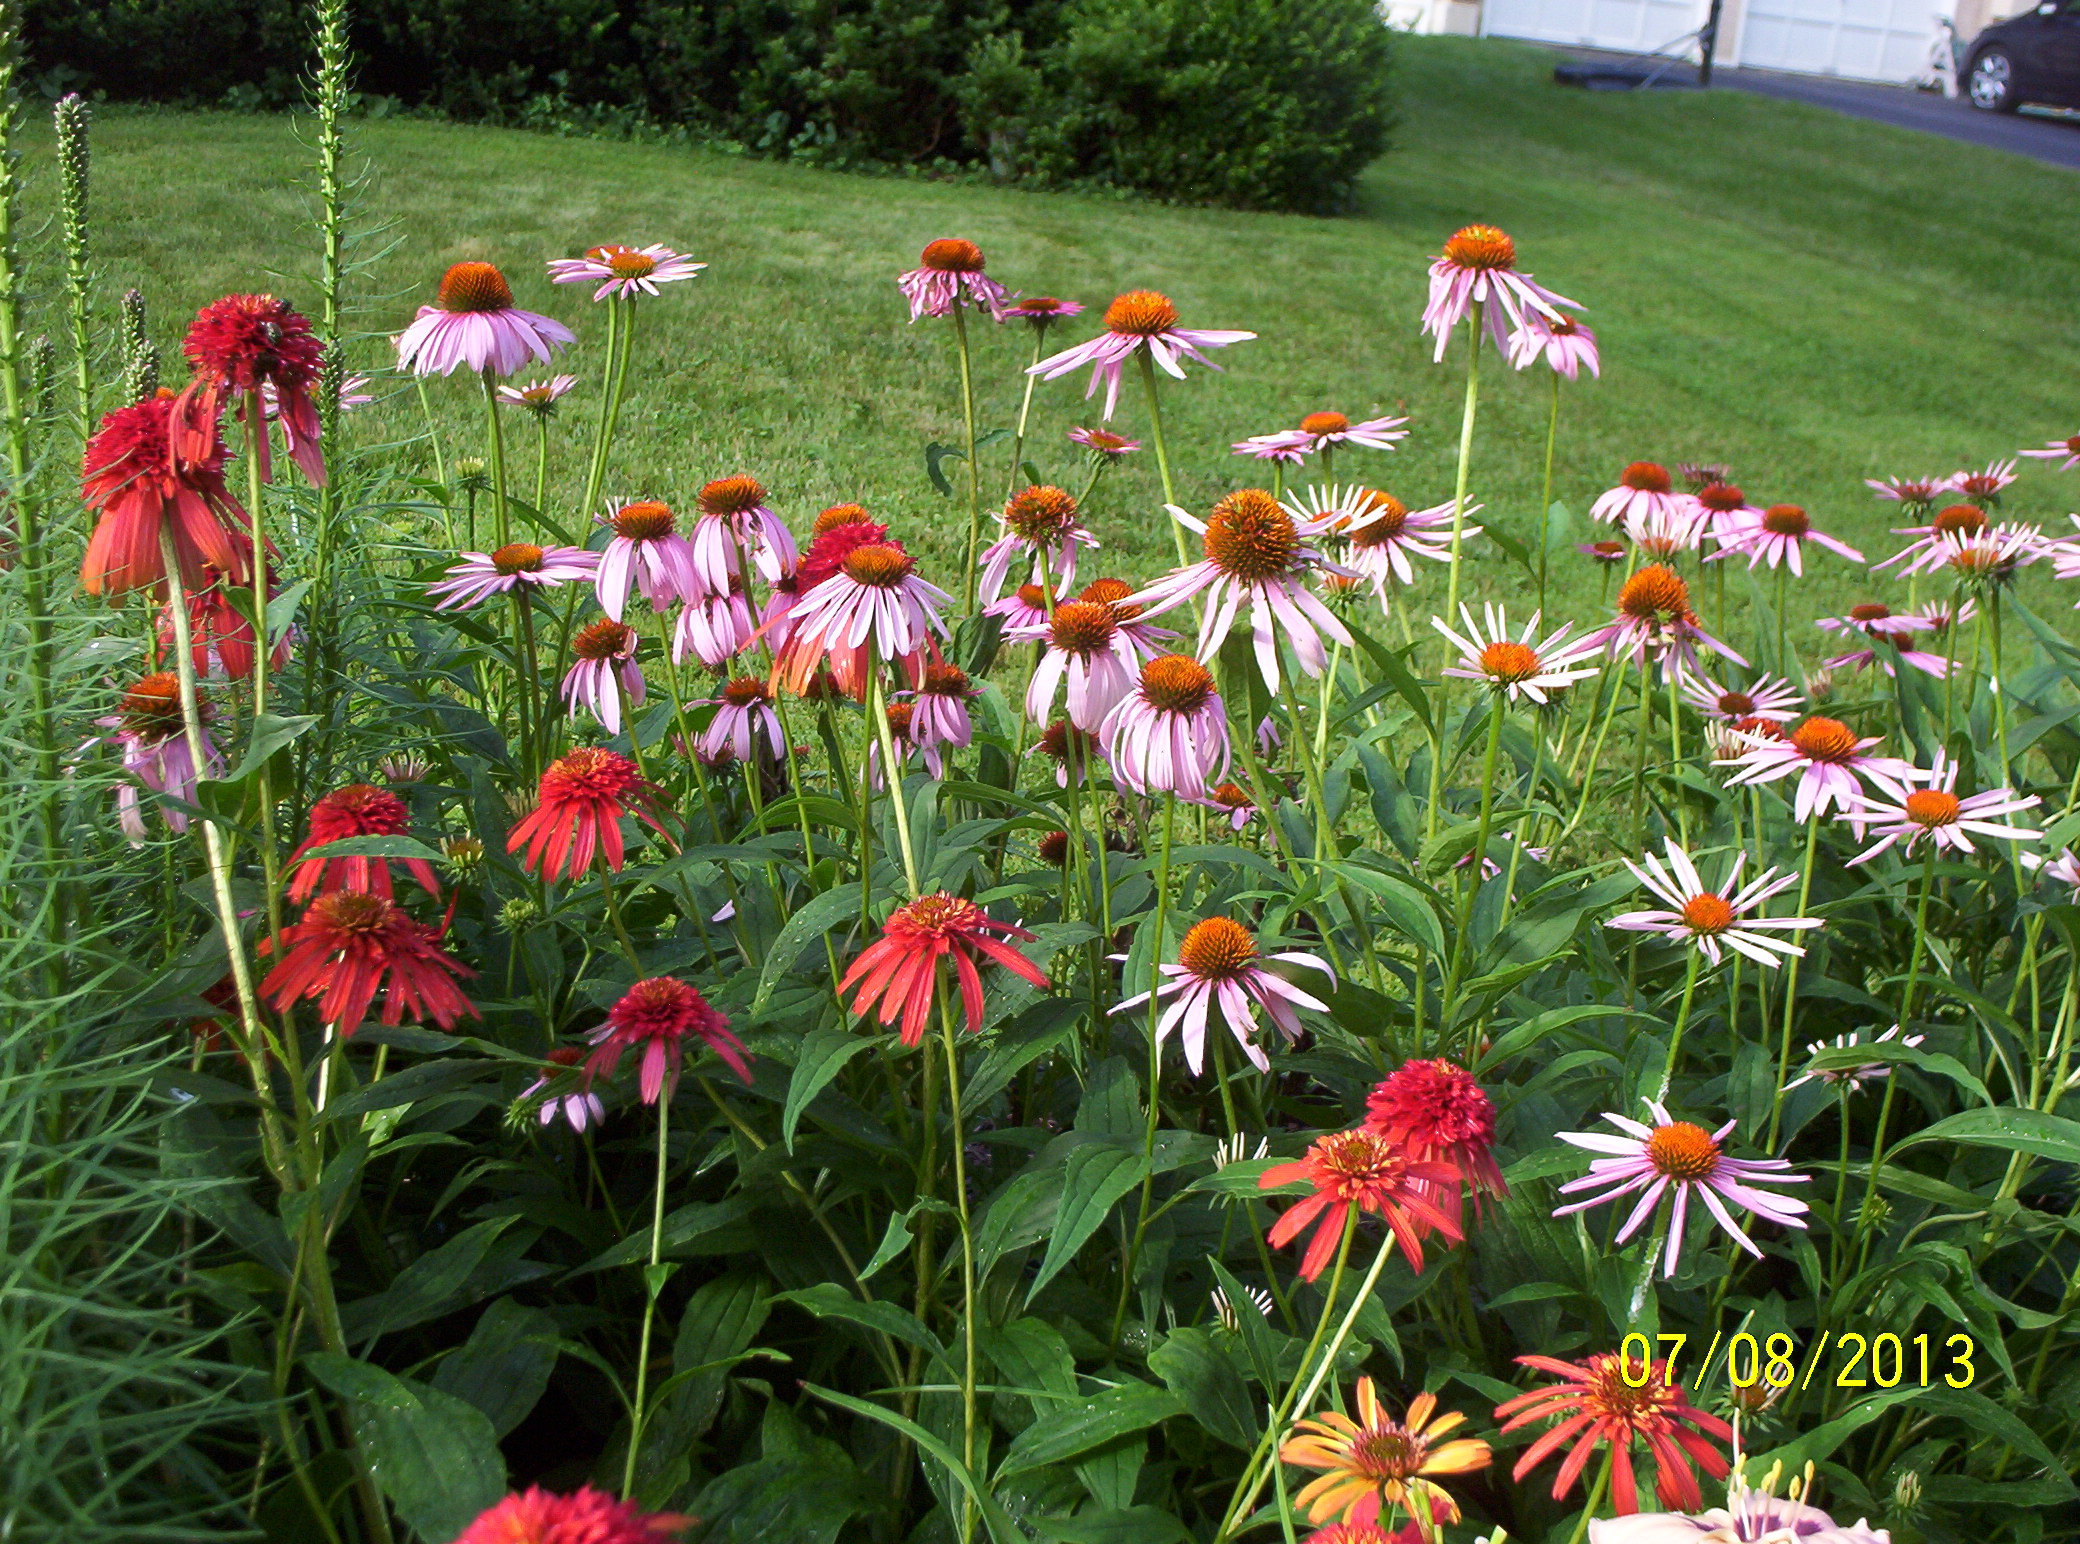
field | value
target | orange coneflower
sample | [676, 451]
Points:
[1364, 1170]
[1376, 1461]
[131, 476]
[1597, 1405]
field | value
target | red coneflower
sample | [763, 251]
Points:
[220, 635]
[358, 809]
[238, 345]
[344, 949]
[1597, 1405]
[1435, 1111]
[1361, 1169]
[658, 1015]
[900, 969]
[586, 1516]
[578, 813]
[132, 478]
[840, 531]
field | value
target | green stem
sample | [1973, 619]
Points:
[1915, 953]
[1025, 410]
[541, 460]
[960, 1191]
[619, 337]
[877, 714]
[1545, 498]
[1603, 1480]
[1675, 1039]
[1157, 953]
[1451, 605]
[960, 337]
[639, 1413]
[433, 438]
[1155, 432]
[270, 851]
[1805, 891]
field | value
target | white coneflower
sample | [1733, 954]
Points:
[1224, 1310]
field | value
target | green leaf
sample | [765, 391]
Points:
[895, 1238]
[1019, 1214]
[1201, 1374]
[435, 1456]
[935, 458]
[721, 1321]
[504, 1366]
[430, 1286]
[824, 1055]
[828, 1300]
[818, 917]
[1094, 1180]
[1089, 1422]
[271, 732]
[2016, 1131]
[1001, 1528]
[376, 847]
[1410, 911]
[1129, 1525]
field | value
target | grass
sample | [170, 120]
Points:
[1810, 298]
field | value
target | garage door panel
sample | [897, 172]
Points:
[1857, 39]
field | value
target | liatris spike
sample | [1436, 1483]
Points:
[140, 359]
[71, 117]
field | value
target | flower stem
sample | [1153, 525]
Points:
[1805, 891]
[1025, 410]
[1675, 1039]
[1451, 605]
[609, 401]
[541, 459]
[1915, 954]
[1603, 1480]
[433, 439]
[1479, 855]
[877, 715]
[638, 1414]
[270, 853]
[1545, 498]
[1157, 952]
[960, 338]
[502, 521]
[960, 1193]
[1155, 432]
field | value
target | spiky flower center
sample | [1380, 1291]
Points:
[1656, 594]
[1870, 611]
[603, 639]
[1324, 423]
[937, 915]
[1506, 662]
[1110, 592]
[1062, 740]
[1388, 1452]
[1038, 305]
[899, 716]
[1082, 626]
[1646, 477]
[1824, 739]
[1786, 520]
[1707, 913]
[589, 774]
[1037, 513]
[944, 681]
[840, 514]
[1610, 1394]
[1231, 796]
[1032, 597]
[732, 496]
[951, 254]
[1736, 704]
[1176, 683]
[644, 520]
[745, 691]
[2073, 444]
[1140, 314]
[1960, 520]
[1682, 1151]
[1385, 517]
[1354, 1165]
[517, 557]
[1932, 807]
[1607, 551]
[1249, 536]
[1767, 728]
[358, 809]
[1104, 441]
[624, 262]
[1481, 246]
[661, 1008]
[151, 709]
[474, 287]
[1217, 949]
[1054, 848]
[1721, 498]
[351, 915]
[879, 565]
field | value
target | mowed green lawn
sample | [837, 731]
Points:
[1809, 298]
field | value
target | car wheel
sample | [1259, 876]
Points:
[1991, 84]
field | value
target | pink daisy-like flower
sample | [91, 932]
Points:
[1749, 1517]
[1564, 343]
[1256, 552]
[481, 575]
[1479, 266]
[1676, 1155]
[1850, 1079]
[1323, 431]
[1770, 698]
[939, 713]
[646, 553]
[1039, 312]
[1147, 639]
[1877, 621]
[576, 1103]
[605, 654]
[1040, 522]
[149, 728]
[734, 515]
[2063, 869]
[1381, 533]
[1780, 537]
[538, 397]
[1233, 801]
[474, 322]
[1654, 618]
[1137, 320]
[1727, 511]
[354, 392]
[1935, 813]
[1085, 650]
[657, 1015]
[1286, 445]
[1518, 667]
[1709, 918]
[1664, 534]
[1070, 749]
[1218, 965]
[1990, 557]
[1103, 444]
[1023, 610]
[1930, 547]
[2065, 452]
[1170, 733]
[873, 609]
[1984, 487]
[1644, 488]
[949, 273]
[716, 628]
[1829, 757]
[1917, 495]
[743, 711]
[624, 272]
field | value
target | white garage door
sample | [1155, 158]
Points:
[1862, 39]
[1621, 24]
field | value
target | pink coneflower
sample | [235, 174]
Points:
[352, 944]
[132, 478]
[1039, 312]
[1769, 697]
[1598, 1403]
[1256, 552]
[733, 515]
[1042, 523]
[1644, 488]
[743, 711]
[481, 575]
[1218, 966]
[2065, 452]
[1917, 495]
[1878, 622]
[624, 272]
[1024, 610]
[1103, 444]
[1329, 431]
[658, 1015]
[1664, 534]
[246, 343]
[586, 1516]
[354, 392]
[900, 969]
[578, 811]
[939, 713]
[873, 609]
[1935, 813]
[1518, 667]
[1829, 758]
[1930, 547]
[1991, 557]
[1708, 918]
[1284, 445]
[577, 1104]
[1137, 320]
[949, 273]
[538, 397]
[474, 322]
[149, 728]
[1170, 733]
[1566, 345]
[1850, 1079]
[2063, 869]
[1437, 1112]
[1676, 1155]
[605, 667]
[646, 552]
[1084, 649]
[1148, 639]
[1479, 265]
[1654, 618]
[900, 740]
[1232, 800]
[1749, 1517]
[1780, 537]
[1984, 487]
[1070, 749]
[717, 628]
[1727, 511]
[1381, 533]
[1602, 552]
[1363, 1171]
[357, 809]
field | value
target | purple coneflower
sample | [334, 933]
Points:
[605, 656]
[149, 728]
[1984, 487]
[2063, 869]
[939, 713]
[1169, 734]
[743, 711]
[538, 397]
[1654, 617]
[1518, 667]
[474, 322]
[949, 273]
[873, 609]
[1727, 511]
[1324, 431]
[1218, 965]
[1479, 265]
[2065, 452]
[1829, 758]
[1022, 609]
[1779, 537]
[1103, 444]
[1380, 533]
[1992, 556]
[1039, 312]
[647, 552]
[1879, 623]
[1917, 495]
[1070, 749]
[1232, 800]
[1676, 1155]
[1708, 918]
[1930, 548]
[734, 515]
[1087, 651]
[1041, 522]
[1148, 639]
[1852, 1078]
[715, 628]
[624, 272]
[574, 1101]
[481, 575]
[1644, 488]
[1566, 345]
[1770, 698]
[1137, 320]
[1665, 533]
[1935, 813]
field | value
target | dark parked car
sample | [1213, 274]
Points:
[2034, 57]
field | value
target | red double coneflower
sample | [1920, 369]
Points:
[1363, 1170]
[352, 944]
[1436, 1112]
[239, 345]
[586, 1516]
[658, 1015]
[132, 478]
[358, 809]
[578, 813]
[900, 969]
